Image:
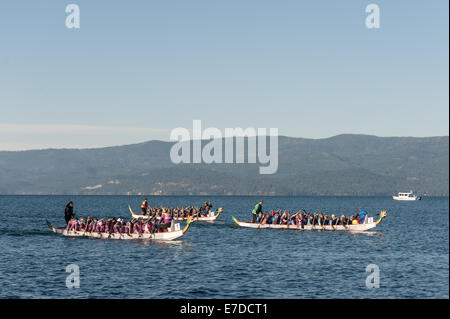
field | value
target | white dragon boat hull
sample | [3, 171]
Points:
[173, 233]
[353, 228]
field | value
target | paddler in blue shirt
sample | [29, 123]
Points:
[362, 214]
[256, 210]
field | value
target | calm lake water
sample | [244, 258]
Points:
[220, 260]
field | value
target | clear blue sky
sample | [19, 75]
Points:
[137, 69]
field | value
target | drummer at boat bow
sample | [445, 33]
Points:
[68, 213]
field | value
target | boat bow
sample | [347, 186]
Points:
[383, 214]
[188, 224]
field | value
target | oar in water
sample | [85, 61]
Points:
[93, 228]
[312, 221]
[332, 226]
[306, 213]
[154, 221]
[343, 224]
[322, 222]
[110, 230]
[84, 231]
[316, 219]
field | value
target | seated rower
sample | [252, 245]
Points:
[320, 219]
[117, 228]
[269, 219]
[259, 218]
[203, 213]
[89, 224]
[362, 214]
[207, 207]
[299, 219]
[333, 220]
[136, 228]
[311, 220]
[265, 217]
[165, 221]
[314, 219]
[71, 224]
[126, 228]
[100, 226]
[294, 219]
[107, 226]
[287, 216]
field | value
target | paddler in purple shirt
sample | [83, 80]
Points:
[165, 221]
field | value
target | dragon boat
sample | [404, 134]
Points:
[370, 224]
[212, 216]
[174, 232]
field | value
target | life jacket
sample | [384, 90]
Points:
[144, 204]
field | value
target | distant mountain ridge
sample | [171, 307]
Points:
[347, 164]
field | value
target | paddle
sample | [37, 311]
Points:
[306, 213]
[85, 228]
[319, 222]
[330, 223]
[294, 217]
[312, 221]
[93, 228]
[154, 221]
[322, 222]
[140, 229]
[110, 230]
[302, 226]
[316, 219]
[129, 229]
